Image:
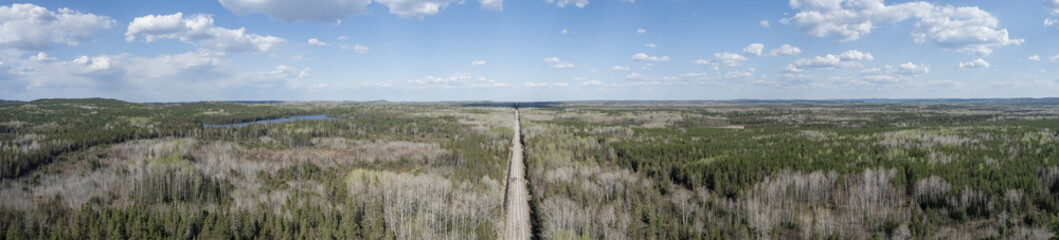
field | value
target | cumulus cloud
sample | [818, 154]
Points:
[458, 80]
[1052, 5]
[962, 29]
[636, 77]
[1054, 58]
[975, 64]
[564, 31]
[563, 3]
[168, 77]
[619, 68]
[41, 56]
[736, 75]
[1034, 58]
[754, 49]
[895, 73]
[200, 31]
[545, 84]
[100, 67]
[1048, 22]
[640, 31]
[281, 76]
[557, 63]
[764, 23]
[357, 48]
[830, 62]
[722, 59]
[323, 11]
[416, 9]
[34, 28]
[785, 50]
[334, 11]
[477, 63]
[650, 45]
[642, 57]
[492, 5]
[117, 71]
[317, 42]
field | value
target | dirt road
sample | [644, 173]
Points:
[516, 205]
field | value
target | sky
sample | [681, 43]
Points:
[527, 50]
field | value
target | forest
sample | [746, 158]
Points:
[873, 169]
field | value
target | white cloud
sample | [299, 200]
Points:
[1054, 58]
[977, 63]
[545, 84]
[735, 75]
[754, 49]
[458, 80]
[892, 73]
[477, 63]
[117, 71]
[785, 50]
[279, 76]
[360, 49]
[647, 66]
[619, 68]
[97, 67]
[650, 45]
[556, 63]
[640, 31]
[830, 62]
[34, 28]
[200, 31]
[317, 42]
[334, 11]
[636, 77]
[563, 3]
[416, 9]
[962, 29]
[492, 5]
[764, 23]
[592, 83]
[642, 57]
[1034, 58]
[1048, 22]
[1052, 5]
[912, 69]
[722, 59]
[565, 31]
[186, 76]
[322, 11]
[342, 38]
[41, 56]
[849, 19]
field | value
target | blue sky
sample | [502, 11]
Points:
[531, 50]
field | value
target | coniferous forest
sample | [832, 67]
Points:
[878, 169]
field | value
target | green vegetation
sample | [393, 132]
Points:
[104, 169]
[772, 170]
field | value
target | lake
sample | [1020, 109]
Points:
[277, 120]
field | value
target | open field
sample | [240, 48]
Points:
[98, 168]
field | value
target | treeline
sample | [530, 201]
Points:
[70, 125]
[276, 181]
[930, 175]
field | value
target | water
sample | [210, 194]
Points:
[278, 120]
